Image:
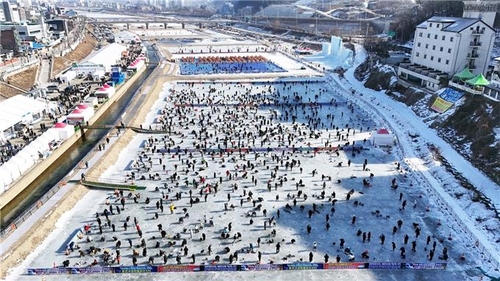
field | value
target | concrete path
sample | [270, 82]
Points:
[44, 73]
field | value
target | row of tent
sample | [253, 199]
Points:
[21, 110]
[470, 78]
[31, 154]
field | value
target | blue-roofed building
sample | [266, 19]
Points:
[444, 46]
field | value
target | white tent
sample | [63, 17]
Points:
[36, 148]
[47, 140]
[12, 170]
[32, 150]
[75, 117]
[382, 137]
[23, 161]
[105, 91]
[68, 76]
[64, 130]
[107, 56]
[87, 109]
[26, 109]
[91, 101]
[5, 179]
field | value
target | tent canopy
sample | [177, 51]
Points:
[465, 74]
[478, 81]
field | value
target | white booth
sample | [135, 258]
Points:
[382, 137]
[76, 117]
[64, 130]
[105, 92]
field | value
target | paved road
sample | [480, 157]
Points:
[44, 73]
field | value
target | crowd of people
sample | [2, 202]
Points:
[241, 205]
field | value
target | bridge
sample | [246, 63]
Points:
[161, 22]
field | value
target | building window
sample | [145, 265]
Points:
[439, 59]
[420, 34]
[449, 50]
[443, 38]
[435, 36]
[433, 47]
[417, 54]
[425, 56]
[427, 46]
[451, 39]
[437, 25]
[430, 24]
[447, 61]
[440, 49]
[428, 35]
[432, 58]
[418, 44]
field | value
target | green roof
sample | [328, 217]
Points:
[465, 74]
[478, 81]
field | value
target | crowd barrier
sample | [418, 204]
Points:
[234, 267]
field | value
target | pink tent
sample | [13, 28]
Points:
[82, 106]
[60, 125]
[106, 86]
[77, 111]
[383, 132]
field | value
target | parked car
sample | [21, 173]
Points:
[52, 88]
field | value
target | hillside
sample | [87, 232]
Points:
[472, 126]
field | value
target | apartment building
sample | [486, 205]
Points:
[444, 46]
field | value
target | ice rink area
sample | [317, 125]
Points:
[250, 202]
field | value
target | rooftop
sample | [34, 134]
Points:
[453, 24]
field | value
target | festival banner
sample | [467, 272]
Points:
[385, 265]
[135, 269]
[302, 266]
[47, 271]
[344, 265]
[91, 270]
[431, 265]
[258, 267]
[440, 105]
[178, 268]
[219, 267]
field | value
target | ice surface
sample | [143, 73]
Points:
[290, 225]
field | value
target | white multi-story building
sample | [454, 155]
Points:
[444, 46]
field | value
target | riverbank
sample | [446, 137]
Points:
[27, 179]
[42, 229]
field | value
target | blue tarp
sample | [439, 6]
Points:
[451, 95]
[36, 46]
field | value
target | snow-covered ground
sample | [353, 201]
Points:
[342, 117]
[156, 32]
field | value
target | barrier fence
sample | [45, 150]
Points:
[234, 267]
